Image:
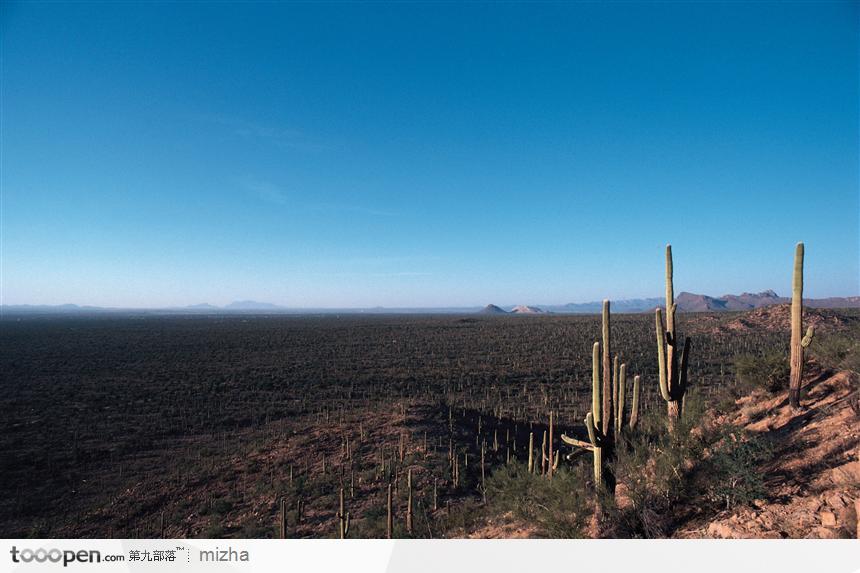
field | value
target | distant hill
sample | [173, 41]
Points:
[492, 309]
[691, 302]
[251, 305]
[523, 309]
[688, 302]
[834, 302]
[595, 307]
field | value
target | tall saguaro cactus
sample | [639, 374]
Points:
[672, 376]
[409, 501]
[592, 421]
[798, 342]
[608, 407]
[600, 421]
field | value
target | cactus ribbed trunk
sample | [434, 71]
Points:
[607, 372]
[343, 517]
[283, 519]
[595, 412]
[389, 524]
[409, 501]
[796, 329]
[673, 407]
[549, 446]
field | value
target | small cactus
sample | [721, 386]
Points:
[409, 501]
[343, 518]
[389, 523]
[550, 466]
[282, 519]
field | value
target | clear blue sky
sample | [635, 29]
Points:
[423, 155]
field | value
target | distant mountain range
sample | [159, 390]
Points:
[687, 302]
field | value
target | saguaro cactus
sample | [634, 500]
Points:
[282, 518]
[608, 409]
[550, 467]
[798, 343]
[673, 378]
[409, 501]
[597, 439]
[389, 522]
[343, 518]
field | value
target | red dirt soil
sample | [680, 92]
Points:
[814, 480]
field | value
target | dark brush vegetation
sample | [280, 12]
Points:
[769, 371]
[113, 424]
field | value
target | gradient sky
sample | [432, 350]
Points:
[352, 154]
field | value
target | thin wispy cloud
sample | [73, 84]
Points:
[390, 260]
[265, 191]
[396, 274]
[275, 194]
[353, 209]
[283, 138]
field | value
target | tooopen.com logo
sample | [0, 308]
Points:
[66, 556]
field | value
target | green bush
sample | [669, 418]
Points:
[655, 468]
[558, 507]
[838, 351]
[732, 474]
[769, 371]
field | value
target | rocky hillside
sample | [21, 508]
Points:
[813, 479]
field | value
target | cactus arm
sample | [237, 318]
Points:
[807, 340]
[577, 443]
[574, 454]
[682, 376]
[593, 431]
[634, 409]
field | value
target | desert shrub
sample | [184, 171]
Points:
[854, 398]
[454, 521]
[221, 507]
[838, 351]
[558, 507]
[654, 468]
[769, 371]
[646, 513]
[732, 474]
[372, 522]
